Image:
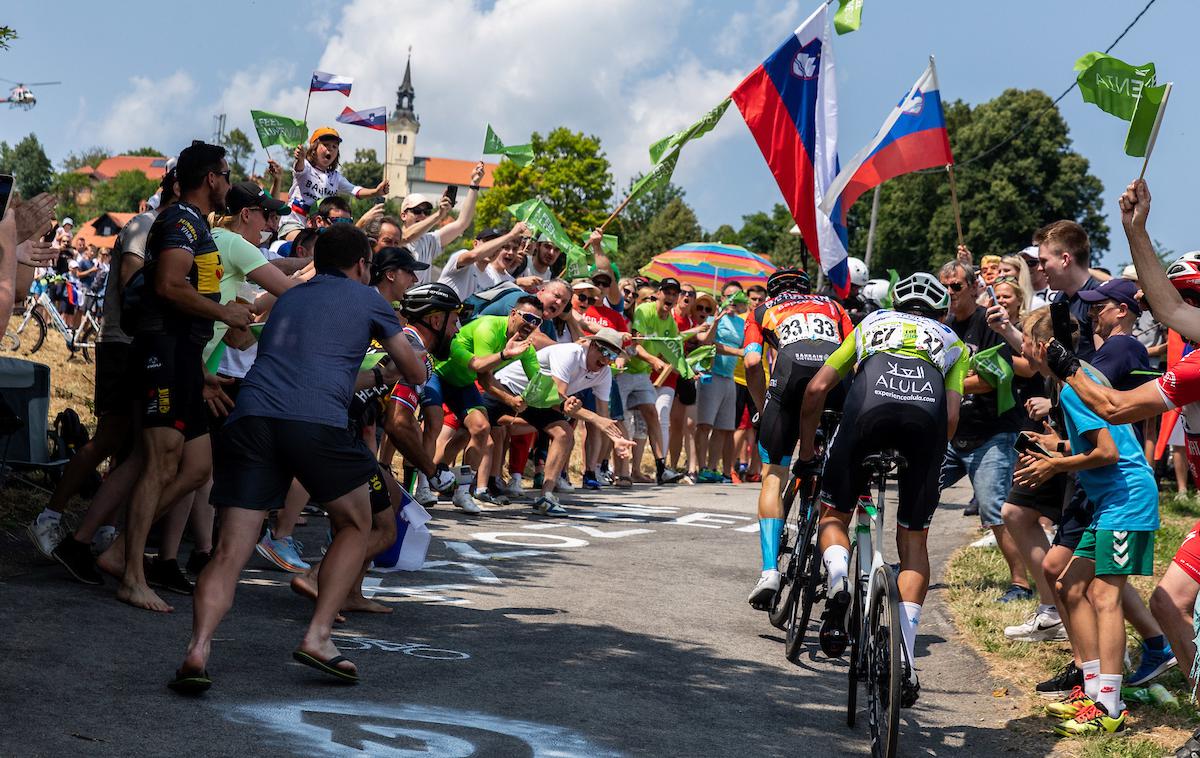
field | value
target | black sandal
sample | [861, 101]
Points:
[327, 667]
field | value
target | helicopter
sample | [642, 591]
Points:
[21, 96]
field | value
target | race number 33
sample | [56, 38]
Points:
[808, 327]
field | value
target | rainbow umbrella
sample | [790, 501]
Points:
[709, 265]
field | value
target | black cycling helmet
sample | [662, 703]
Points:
[788, 280]
[424, 299]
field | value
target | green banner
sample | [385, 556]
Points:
[578, 264]
[1141, 126]
[701, 359]
[541, 392]
[1111, 84]
[893, 277]
[848, 17]
[274, 129]
[664, 154]
[541, 219]
[996, 371]
[522, 155]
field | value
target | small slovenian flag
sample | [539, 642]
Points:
[323, 82]
[372, 118]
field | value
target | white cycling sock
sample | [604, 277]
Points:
[1091, 678]
[1049, 610]
[1108, 691]
[910, 617]
[837, 565]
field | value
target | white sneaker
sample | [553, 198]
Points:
[425, 496]
[768, 585]
[45, 533]
[443, 481]
[606, 478]
[1039, 627]
[549, 505]
[514, 489]
[564, 484]
[103, 539]
[463, 500]
[987, 540]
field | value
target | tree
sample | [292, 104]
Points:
[238, 146]
[637, 243]
[1005, 195]
[569, 172]
[365, 170]
[144, 152]
[7, 34]
[28, 163]
[725, 234]
[674, 225]
[91, 156]
[66, 189]
[123, 193]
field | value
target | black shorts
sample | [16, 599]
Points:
[216, 423]
[779, 424]
[538, 418]
[257, 458]
[170, 373]
[115, 394]
[685, 391]
[1076, 518]
[381, 498]
[742, 401]
[1046, 500]
[894, 403]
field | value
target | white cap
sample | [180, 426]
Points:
[609, 337]
[67, 221]
[415, 199]
[1129, 272]
[1030, 252]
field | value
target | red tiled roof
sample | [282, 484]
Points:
[450, 171]
[153, 167]
[87, 230]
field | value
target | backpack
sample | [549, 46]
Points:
[67, 437]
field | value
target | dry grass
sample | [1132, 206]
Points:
[976, 577]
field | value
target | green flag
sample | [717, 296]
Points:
[996, 371]
[701, 359]
[664, 154]
[1111, 84]
[541, 219]
[893, 277]
[541, 392]
[522, 155]
[274, 129]
[848, 16]
[737, 298]
[671, 351]
[1139, 140]
[577, 263]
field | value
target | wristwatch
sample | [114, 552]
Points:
[475, 187]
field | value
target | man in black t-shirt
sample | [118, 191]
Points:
[178, 298]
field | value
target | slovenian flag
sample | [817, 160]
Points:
[372, 118]
[323, 82]
[912, 138]
[790, 105]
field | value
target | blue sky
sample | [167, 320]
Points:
[630, 72]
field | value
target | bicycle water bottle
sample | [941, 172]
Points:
[1163, 696]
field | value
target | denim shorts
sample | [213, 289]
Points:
[990, 469]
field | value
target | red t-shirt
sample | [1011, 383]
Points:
[1180, 388]
[602, 315]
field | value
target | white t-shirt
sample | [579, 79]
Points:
[492, 276]
[425, 248]
[532, 270]
[465, 281]
[566, 362]
[311, 186]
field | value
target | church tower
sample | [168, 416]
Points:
[402, 128]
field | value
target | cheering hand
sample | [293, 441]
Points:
[1135, 204]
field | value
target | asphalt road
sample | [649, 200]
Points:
[623, 630]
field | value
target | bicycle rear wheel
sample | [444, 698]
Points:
[854, 630]
[28, 334]
[85, 340]
[791, 558]
[884, 664]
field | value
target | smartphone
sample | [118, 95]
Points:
[992, 294]
[1027, 444]
[1060, 318]
[6, 188]
[452, 193]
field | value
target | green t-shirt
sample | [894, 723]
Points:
[486, 335]
[238, 259]
[647, 323]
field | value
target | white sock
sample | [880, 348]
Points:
[463, 489]
[837, 565]
[515, 479]
[1109, 689]
[49, 515]
[910, 617]
[1091, 678]
[422, 481]
[1048, 610]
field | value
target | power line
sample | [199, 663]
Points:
[1030, 121]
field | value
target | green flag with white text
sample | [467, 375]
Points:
[701, 359]
[522, 155]
[541, 219]
[1112, 84]
[996, 371]
[664, 154]
[541, 392]
[1141, 126]
[274, 129]
[848, 16]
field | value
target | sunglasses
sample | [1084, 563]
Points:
[608, 353]
[1004, 280]
[421, 210]
[589, 299]
[224, 173]
[532, 319]
[703, 309]
[955, 286]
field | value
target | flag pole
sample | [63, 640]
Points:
[954, 202]
[1162, 108]
[871, 229]
[307, 101]
[615, 213]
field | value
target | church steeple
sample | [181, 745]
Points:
[404, 95]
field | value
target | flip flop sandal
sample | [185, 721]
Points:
[190, 684]
[327, 667]
[623, 482]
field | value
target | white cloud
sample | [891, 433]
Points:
[149, 114]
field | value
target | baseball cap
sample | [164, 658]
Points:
[325, 132]
[392, 258]
[1030, 252]
[68, 221]
[602, 276]
[585, 285]
[249, 195]
[609, 337]
[670, 283]
[1129, 272]
[1121, 291]
[491, 233]
[415, 199]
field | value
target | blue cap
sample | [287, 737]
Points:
[1121, 291]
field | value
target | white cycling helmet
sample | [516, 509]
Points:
[875, 291]
[921, 293]
[859, 274]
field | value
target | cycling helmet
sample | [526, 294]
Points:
[859, 274]
[1184, 273]
[875, 291]
[921, 293]
[788, 280]
[434, 297]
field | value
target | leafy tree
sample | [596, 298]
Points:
[91, 156]
[365, 170]
[569, 172]
[723, 233]
[28, 164]
[238, 147]
[674, 225]
[123, 193]
[66, 189]
[7, 34]
[1004, 196]
[637, 243]
[144, 152]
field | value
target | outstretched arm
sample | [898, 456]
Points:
[1164, 299]
[1115, 406]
